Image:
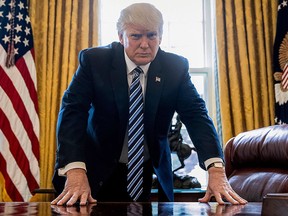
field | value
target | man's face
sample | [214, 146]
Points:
[141, 45]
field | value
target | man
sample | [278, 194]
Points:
[94, 125]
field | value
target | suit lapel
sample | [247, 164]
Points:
[155, 81]
[120, 85]
[154, 87]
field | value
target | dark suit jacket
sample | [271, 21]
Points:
[94, 115]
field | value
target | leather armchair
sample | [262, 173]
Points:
[257, 162]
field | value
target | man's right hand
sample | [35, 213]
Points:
[76, 188]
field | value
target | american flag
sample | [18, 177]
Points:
[280, 60]
[19, 121]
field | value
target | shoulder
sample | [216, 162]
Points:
[101, 54]
[172, 60]
[101, 50]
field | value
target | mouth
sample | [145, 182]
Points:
[144, 54]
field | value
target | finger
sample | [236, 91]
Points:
[72, 200]
[91, 199]
[237, 197]
[65, 198]
[219, 199]
[206, 198]
[230, 198]
[56, 200]
[83, 199]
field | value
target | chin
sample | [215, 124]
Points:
[143, 61]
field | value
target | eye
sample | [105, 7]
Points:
[152, 35]
[136, 36]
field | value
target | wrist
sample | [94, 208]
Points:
[216, 165]
[75, 171]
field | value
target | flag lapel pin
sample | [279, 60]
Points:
[157, 79]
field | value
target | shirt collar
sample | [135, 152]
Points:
[131, 65]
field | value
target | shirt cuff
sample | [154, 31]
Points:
[212, 160]
[73, 165]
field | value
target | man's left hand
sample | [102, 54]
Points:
[219, 187]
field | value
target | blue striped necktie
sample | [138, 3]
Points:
[135, 138]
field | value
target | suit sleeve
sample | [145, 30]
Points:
[193, 113]
[73, 116]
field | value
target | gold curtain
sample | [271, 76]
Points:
[245, 32]
[60, 29]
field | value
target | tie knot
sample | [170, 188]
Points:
[137, 71]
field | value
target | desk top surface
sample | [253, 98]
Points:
[153, 208]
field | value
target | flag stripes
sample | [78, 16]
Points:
[18, 162]
[19, 120]
[16, 134]
[9, 185]
[284, 81]
[21, 75]
[26, 73]
[21, 152]
[17, 193]
[7, 84]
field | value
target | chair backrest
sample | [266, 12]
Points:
[257, 162]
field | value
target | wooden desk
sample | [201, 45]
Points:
[119, 209]
[182, 195]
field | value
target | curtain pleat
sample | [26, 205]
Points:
[245, 30]
[60, 29]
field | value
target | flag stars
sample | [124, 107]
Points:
[8, 27]
[20, 16]
[6, 39]
[18, 28]
[17, 39]
[27, 19]
[282, 5]
[26, 42]
[12, 4]
[2, 3]
[27, 30]
[16, 51]
[9, 16]
[21, 5]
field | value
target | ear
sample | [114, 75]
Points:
[120, 36]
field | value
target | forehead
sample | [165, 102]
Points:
[139, 29]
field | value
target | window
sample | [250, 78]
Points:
[187, 31]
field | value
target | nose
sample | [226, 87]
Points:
[144, 43]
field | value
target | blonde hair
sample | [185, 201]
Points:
[143, 14]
